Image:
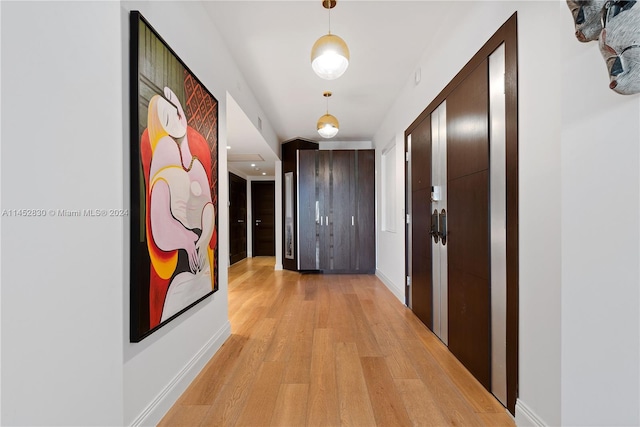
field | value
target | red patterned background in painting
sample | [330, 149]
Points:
[201, 110]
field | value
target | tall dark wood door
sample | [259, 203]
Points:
[421, 267]
[468, 223]
[308, 210]
[263, 202]
[342, 210]
[237, 218]
[365, 221]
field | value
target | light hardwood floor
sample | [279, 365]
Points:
[329, 350]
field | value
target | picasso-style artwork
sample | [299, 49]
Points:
[174, 184]
[616, 26]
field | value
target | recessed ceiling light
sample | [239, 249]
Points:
[228, 147]
[253, 165]
[264, 173]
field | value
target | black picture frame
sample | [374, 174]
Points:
[174, 232]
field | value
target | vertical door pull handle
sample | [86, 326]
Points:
[317, 211]
[321, 220]
[352, 221]
[434, 226]
[442, 227]
[326, 220]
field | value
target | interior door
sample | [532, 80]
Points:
[237, 218]
[481, 195]
[263, 202]
[421, 289]
[468, 223]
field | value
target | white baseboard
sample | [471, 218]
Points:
[168, 396]
[525, 417]
[399, 293]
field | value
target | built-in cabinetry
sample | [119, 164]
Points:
[289, 199]
[336, 211]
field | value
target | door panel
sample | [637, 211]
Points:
[237, 218]
[421, 270]
[308, 210]
[421, 286]
[323, 196]
[468, 223]
[439, 205]
[421, 156]
[468, 325]
[263, 202]
[468, 125]
[365, 221]
[342, 207]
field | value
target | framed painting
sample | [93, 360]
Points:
[174, 184]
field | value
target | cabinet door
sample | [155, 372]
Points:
[308, 210]
[323, 198]
[365, 240]
[342, 210]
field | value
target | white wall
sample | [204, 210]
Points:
[62, 277]
[66, 356]
[578, 157]
[600, 246]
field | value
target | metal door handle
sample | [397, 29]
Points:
[352, 221]
[442, 227]
[435, 226]
[241, 220]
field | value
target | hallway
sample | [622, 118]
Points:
[328, 350]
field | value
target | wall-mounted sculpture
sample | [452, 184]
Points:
[587, 17]
[616, 24]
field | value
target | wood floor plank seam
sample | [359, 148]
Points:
[328, 350]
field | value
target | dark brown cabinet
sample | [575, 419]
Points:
[336, 211]
[290, 200]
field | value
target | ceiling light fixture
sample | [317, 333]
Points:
[328, 125]
[330, 54]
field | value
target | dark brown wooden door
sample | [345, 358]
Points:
[365, 220]
[421, 268]
[263, 202]
[237, 218]
[323, 198]
[308, 210]
[468, 223]
[342, 208]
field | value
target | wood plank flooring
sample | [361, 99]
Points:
[329, 350]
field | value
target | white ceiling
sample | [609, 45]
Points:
[271, 43]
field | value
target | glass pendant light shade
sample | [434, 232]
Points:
[328, 126]
[329, 57]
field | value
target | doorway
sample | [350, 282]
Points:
[263, 203]
[462, 205]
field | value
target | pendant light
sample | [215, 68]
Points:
[330, 54]
[328, 125]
